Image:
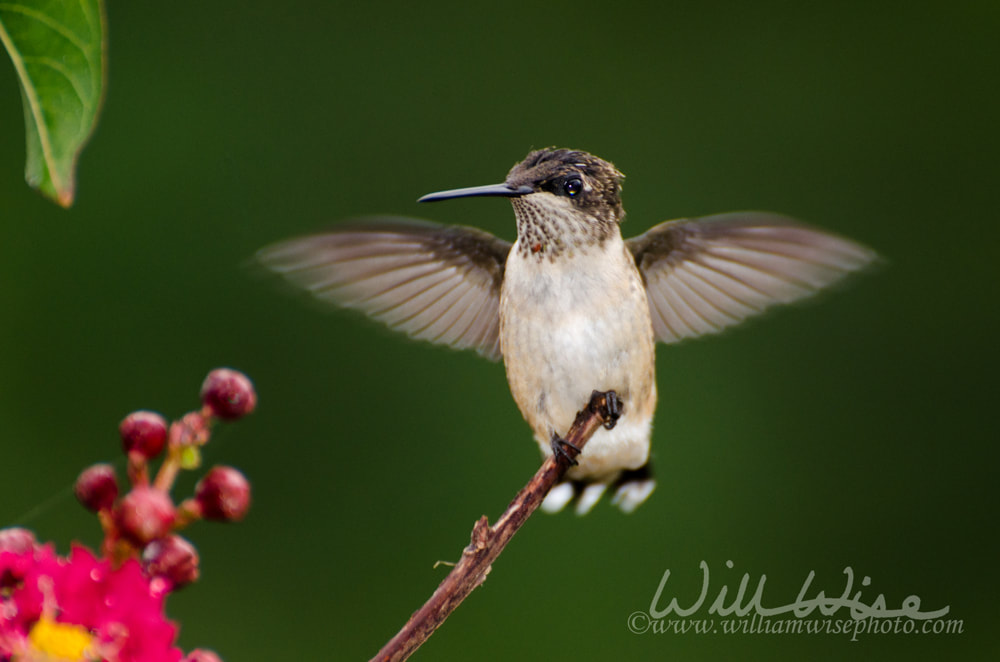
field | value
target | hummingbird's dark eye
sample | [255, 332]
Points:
[573, 186]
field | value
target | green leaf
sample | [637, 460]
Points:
[57, 47]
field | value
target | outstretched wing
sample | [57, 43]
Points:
[434, 282]
[705, 274]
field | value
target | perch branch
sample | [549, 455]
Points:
[488, 541]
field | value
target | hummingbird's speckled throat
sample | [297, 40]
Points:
[570, 306]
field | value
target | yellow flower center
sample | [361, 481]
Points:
[60, 641]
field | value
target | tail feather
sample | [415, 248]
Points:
[629, 490]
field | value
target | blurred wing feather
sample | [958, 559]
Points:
[706, 274]
[436, 283]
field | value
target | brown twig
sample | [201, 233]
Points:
[488, 541]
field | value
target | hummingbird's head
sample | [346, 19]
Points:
[562, 199]
[571, 180]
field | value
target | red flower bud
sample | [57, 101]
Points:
[20, 542]
[202, 655]
[143, 433]
[173, 559]
[223, 494]
[145, 514]
[97, 487]
[17, 540]
[228, 393]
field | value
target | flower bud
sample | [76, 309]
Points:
[17, 540]
[97, 487]
[173, 559]
[202, 655]
[223, 494]
[143, 433]
[145, 514]
[228, 393]
[190, 430]
[15, 565]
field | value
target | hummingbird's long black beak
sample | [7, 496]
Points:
[491, 190]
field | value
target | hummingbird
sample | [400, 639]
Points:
[570, 307]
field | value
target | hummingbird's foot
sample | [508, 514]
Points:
[559, 446]
[612, 408]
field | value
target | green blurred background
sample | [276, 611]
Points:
[854, 432]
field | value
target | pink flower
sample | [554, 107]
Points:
[116, 614]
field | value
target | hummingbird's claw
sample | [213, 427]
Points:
[559, 446]
[612, 408]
